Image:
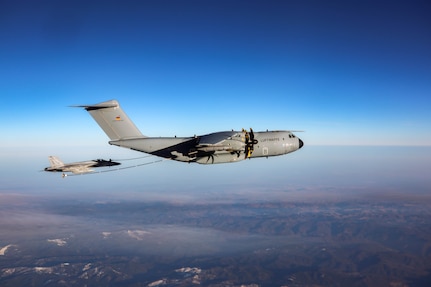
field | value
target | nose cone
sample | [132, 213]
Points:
[301, 143]
[112, 163]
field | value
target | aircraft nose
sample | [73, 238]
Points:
[301, 143]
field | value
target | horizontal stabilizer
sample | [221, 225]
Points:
[96, 107]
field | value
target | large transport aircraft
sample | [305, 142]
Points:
[218, 147]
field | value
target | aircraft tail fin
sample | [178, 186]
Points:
[113, 120]
[55, 162]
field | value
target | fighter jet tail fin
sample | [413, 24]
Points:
[113, 120]
[55, 162]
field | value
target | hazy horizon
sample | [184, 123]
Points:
[350, 208]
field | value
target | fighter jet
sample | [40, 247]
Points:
[218, 147]
[77, 167]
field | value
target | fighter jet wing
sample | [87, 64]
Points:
[79, 169]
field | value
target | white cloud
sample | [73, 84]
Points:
[59, 242]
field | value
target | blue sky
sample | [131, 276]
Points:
[354, 75]
[346, 72]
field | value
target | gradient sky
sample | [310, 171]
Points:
[346, 72]
[353, 73]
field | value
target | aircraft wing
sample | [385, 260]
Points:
[220, 142]
[79, 169]
[216, 138]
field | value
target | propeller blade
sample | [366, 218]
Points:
[249, 142]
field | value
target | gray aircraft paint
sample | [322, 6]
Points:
[218, 147]
[56, 165]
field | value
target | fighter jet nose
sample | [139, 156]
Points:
[301, 143]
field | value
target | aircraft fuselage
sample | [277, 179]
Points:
[228, 149]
